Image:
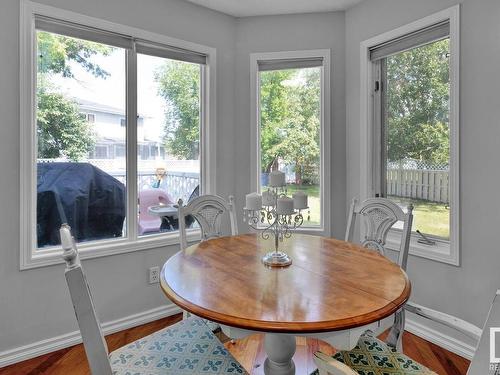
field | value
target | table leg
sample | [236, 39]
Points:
[280, 349]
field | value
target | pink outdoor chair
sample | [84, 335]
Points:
[151, 197]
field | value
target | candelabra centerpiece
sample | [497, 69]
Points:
[275, 214]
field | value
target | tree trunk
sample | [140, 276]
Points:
[298, 174]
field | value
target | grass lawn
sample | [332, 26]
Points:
[428, 217]
[314, 202]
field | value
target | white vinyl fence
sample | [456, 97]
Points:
[431, 185]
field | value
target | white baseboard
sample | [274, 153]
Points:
[445, 341]
[35, 349]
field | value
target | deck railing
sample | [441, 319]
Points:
[177, 184]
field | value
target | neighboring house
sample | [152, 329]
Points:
[109, 125]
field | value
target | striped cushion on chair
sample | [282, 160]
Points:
[188, 347]
[372, 356]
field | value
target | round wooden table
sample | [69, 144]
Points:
[334, 290]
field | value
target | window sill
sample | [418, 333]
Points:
[90, 250]
[443, 251]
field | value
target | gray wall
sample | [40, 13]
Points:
[464, 291]
[35, 304]
[290, 33]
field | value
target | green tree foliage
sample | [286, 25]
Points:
[273, 111]
[60, 128]
[290, 121]
[56, 52]
[418, 104]
[179, 85]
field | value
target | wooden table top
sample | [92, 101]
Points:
[331, 285]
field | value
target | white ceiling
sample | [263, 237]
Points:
[245, 8]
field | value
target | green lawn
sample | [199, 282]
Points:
[314, 202]
[428, 217]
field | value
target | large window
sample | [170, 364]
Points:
[290, 124]
[169, 99]
[414, 130]
[120, 126]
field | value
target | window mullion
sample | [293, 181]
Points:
[377, 147]
[131, 142]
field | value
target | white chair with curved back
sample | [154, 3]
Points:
[208, 211]
[187, 347]
[372, 355]
[379, 215]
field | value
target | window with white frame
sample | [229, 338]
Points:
[414, 130]
[290, 91]
[106, 196]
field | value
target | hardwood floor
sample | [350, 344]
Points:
[249, 352]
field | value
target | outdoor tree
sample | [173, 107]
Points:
[418, 104]
[60, 128]
[290, 121]
[179, 85]
[273, 111]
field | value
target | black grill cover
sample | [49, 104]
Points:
[91, 201]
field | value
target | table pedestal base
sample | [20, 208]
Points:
[280, 349]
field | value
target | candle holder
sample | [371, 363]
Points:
[277, 220]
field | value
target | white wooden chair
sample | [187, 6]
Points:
[372, 355]
[185, 347]
[207, 210]
[379, 215]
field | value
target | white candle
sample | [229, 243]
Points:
[268, 198]
[253, 202]
[276, 179]
[299, 200]
[285, 206]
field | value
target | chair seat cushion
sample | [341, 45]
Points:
[187, 347]
[372, 356]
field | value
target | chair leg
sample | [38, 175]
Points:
[395, 338]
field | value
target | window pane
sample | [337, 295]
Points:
[168, 139]
[80, 101]
[290, 128]
[417, 135]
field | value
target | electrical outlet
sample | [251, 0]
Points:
[154, 275]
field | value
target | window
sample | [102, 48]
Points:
[414, 133]
[290, 126]
[118, 76]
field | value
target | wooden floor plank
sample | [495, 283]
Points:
[249, 351]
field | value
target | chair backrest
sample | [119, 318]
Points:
[90, 328]
[378, 216]
[207, 210]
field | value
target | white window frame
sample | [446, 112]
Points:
[30, 257]
[444, 251]
[325, 140]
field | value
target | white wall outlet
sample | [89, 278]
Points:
[154, 275]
